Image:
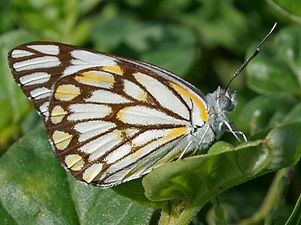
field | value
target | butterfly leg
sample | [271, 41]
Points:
[201, 141]
[235, 132]
[185, 150]
[241, 134]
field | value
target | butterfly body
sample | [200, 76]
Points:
[111, 119]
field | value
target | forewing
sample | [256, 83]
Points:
[37, 66]
[109, 119]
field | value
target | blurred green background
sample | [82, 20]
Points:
[203, 41]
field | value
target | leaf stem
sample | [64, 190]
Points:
[274, 195]
[178, 213]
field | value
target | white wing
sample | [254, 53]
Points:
[109, 119]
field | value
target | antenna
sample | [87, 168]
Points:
[257, 50]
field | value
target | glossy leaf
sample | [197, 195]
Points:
[87, 5]
[32, 179]
[276, 69]
[211, 22]
[197, 179]
[6, 219]
[209, 172]
[289, 49]
[52, 20]
[135, 191]
[269, 74]
[294, 114]
[14, 105]
[6, 16]
[265, 112]
[289, 8]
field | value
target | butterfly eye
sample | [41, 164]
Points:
[225, 103]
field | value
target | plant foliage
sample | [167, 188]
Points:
[252, 183]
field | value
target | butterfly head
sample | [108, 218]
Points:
[220, 103]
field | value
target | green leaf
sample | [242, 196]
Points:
[135, 191]
[276, 70]
[160, 8]
[268, 76]
[294, 114]
[219, 147]
[96, 206]
[79, 34]
[6, 219]
[13, 103]
[88, 5]
[265, 112]
[32, 179]
[195, 180]
[289, 49]
[173, 41]
[51, 19]
[6, 18]
[219, 23]
[292, 6]
[289, 8]
[295, 217]
[180, 179]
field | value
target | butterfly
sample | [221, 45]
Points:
[110, 119]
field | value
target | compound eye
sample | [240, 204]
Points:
[225, 103]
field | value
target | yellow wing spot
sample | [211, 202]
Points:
[199, 103]
[92, 172]
[78, 166]
[57, 114]
[127, 133]
[72, 159]
[143, 96]
[66, 92]
[135, 91]
[131, 131]
[96, 78]
[61, 139]
[113, 69]
[120, 115]
[175, 133]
